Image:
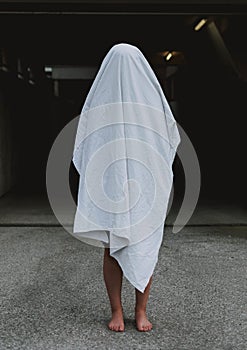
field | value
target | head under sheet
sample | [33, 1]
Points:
[125, 145]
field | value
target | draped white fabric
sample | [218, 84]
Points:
[125, 145]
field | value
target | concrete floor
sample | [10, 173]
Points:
[53, 294]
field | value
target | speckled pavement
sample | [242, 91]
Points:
[53, 294]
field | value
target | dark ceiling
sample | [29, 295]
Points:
[81, 39]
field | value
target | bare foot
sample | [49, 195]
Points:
[142, 322]
[117, 323]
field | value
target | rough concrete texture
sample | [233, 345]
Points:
[53, 294]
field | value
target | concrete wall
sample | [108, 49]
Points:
[30, 119]
[24, 134]
[8, 147]
[132, 1]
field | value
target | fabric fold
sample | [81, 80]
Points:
[124, 149]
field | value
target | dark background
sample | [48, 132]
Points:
[207, 90]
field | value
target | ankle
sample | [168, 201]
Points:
[117, 310]
[139, 309]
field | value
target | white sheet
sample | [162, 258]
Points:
[125, 145]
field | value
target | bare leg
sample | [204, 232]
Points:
[142, 322]
[113, 280]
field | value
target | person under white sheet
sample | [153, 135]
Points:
[125, 145]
